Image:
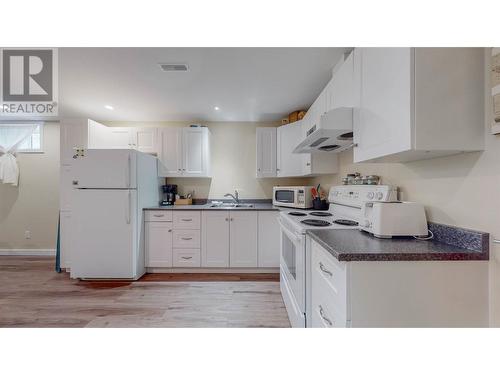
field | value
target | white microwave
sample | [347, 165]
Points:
[292, 196]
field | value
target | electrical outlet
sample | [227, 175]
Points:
[27, 234]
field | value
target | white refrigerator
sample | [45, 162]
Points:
[111, 189]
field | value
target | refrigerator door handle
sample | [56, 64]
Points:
[129, 167]
[127, 219]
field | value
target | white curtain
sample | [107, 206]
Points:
[9, 144]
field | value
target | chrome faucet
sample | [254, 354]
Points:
[235, 196]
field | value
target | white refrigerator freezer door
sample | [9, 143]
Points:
[105, 234]
[106, 169]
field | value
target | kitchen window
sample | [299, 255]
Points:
[11, 133]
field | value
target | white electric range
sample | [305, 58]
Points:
[344, 213]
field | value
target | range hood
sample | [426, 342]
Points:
[333, 133]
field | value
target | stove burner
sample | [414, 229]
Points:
[295, 213]
[316, 222]
[350, 223]
[320, 213]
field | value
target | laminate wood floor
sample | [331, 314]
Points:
[32, 294]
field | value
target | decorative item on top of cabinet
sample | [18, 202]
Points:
[412, 106]
[495, 89]
[294, 116]
[185, 152]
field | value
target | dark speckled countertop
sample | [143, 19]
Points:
[256, 206]
[450, 243]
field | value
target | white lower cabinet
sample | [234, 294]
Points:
[394, 293]
[328, 290]
[212, 239]
[186, 239]
[158, 243]
[243, 239]
[186, 258]
[269, 239]
[215, 239]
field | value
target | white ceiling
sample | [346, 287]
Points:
[248, 84]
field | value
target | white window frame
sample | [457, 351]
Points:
[40, 124]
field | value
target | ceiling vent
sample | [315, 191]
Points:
[174, 67]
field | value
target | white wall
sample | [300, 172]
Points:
[34, 204]
[233, 162]
[462, 190]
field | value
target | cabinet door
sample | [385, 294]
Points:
[145, 140]
[98, 135]
[243, 239]
[383, 122]
[215, 239]
[119, 138]
[266, 152]
[194, 150]
[307, 167]
[170, 152]
[341, 89]
[66, 240]
[158, 244]
[268, 239]
[290, 164]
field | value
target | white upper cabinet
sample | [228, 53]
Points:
[417, 103]
[118, 138]
[266, 152]
[145, 140]
[196, 148]
[289, 164]
[185, 152]
[298, 165]
[170, 152]
[340, 90]
[140, 139]
[312, 118]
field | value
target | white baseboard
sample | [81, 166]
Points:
[212, 270]
[28, 252]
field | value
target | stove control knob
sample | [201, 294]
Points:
[380, 195]
[370, 195]
[367, 224]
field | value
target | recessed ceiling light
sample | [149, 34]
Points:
[110, 107]
[169, 67]
[217, 108]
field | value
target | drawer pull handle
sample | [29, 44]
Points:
[187, 219]
[170, 230]
[324, 270]
[187, 258]
[158, 215]
[187, 238]
[322, 314]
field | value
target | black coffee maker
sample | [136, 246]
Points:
[169, 193]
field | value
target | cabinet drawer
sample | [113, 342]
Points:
[324, 317]
[187, 258]
[187, 220]
[186, 239]
[329, 282]
[158, 215]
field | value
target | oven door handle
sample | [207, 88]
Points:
[288, 232]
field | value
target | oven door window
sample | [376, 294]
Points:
[289, 255]
[285, 196]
